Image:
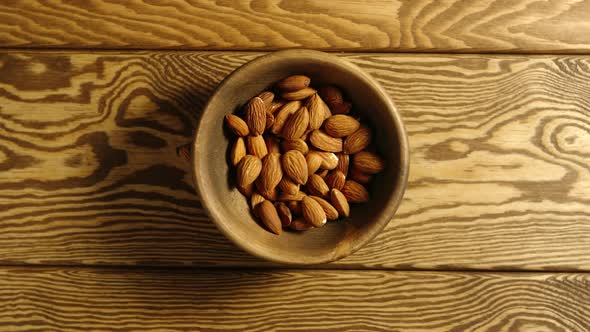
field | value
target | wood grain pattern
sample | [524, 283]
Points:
[400, 25]
[89, 173]
[287, 300]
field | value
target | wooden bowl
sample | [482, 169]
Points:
[229, 209]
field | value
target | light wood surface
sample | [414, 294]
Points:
[89, 173]
[73, 299]
[388, 25]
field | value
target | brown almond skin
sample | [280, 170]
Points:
[272, 144]
[329, 210]
[323, 173]
[335, 179]
[343, 108]
[355, 192]
[341, 125]
[271, 173]
[299, 224]
[248, 170]
[255, 199]
[296, 144]
[314, 162]
[288, 186]
[237, 125]
[256, 116]
[276, 105]
[294, 83]
[296, 124]
[284, 214]
[246, 190]
[312, 212]
[357, 141]
[256, 146]
[339, 202]
[317, 186]
[283, 114]
[295, 166]
[270, 120]
[331, 95]
[284, 197]
[316, 107]
[329, 160]
[343, 163]
[267, 97]
[359, 176]
[238, 151]
[325, 142]
[368, 162]
[270, 217]
[299, 94]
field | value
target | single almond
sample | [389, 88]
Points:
[343, 108]
[325, 142]
[329, 210]
[335, 179]
[317, 113]
[314, 162]
[295, 207]
[323, 173]
[267, 97]
[296, 124]
[270, 120]
[284, 213]
[283, 197]
[341, 125]
[269, 216]
[299, 224]
[312, 212]
[368, 162]
[295, 166]
[294, 83]
[343, 163]
[355, 192]
[331, 95]
[299, 94]
[256, 116]
[359, 176]
[237, 125]
[329, 160]
[327, 113]
[248, 170]
[296, 144]
[283, 114]
[357, 141]
[238, 151]
[256, 146]
[255, 199]
[271, 173]
[288, 186]
[272, 144]
[317, 186]
[339, 202]
[276, 105]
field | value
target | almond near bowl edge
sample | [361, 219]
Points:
[229, 210]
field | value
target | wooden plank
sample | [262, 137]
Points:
[88, 171]
[387, 25]
[73, 299]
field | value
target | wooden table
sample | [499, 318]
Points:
[100, 228]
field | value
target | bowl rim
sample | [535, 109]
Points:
[393, 202]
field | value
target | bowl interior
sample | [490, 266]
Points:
[230, 210]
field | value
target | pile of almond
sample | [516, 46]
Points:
[303, 157]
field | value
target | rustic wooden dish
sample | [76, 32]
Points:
[229, 209]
